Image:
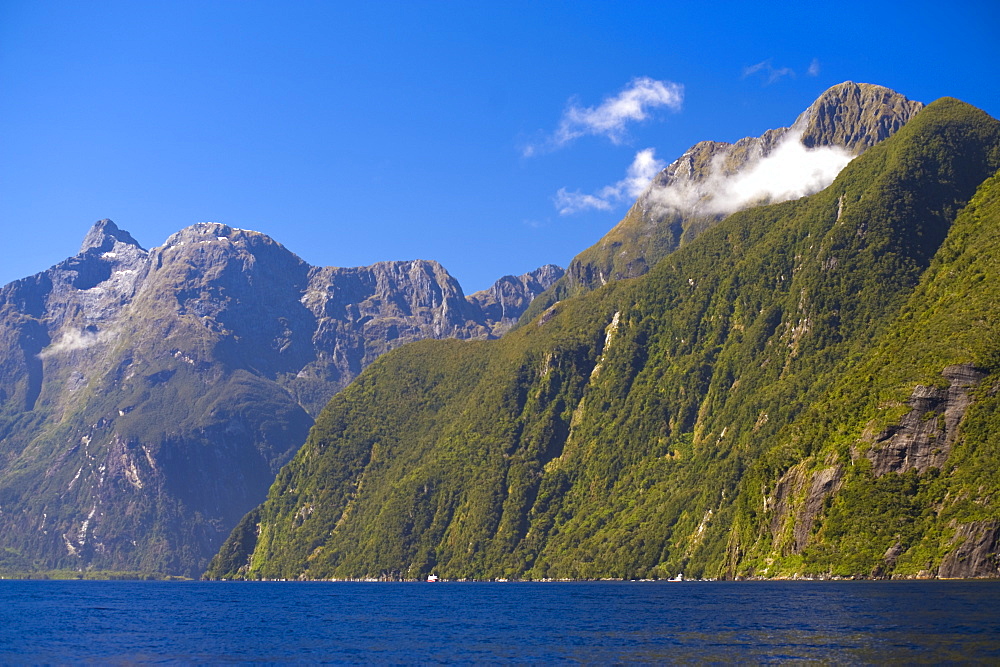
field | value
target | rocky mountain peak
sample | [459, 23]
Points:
[213, 231]
[854, 116]
[103, 236]
[505, 301]
[546, 275]
[167, 387]
[715, 178]
[851, 116]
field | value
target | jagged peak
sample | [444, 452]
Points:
[103, 236]
[544, 276]
[201, 231]
[850, 92]
[547, 274]
[407, 265]
[854, 116]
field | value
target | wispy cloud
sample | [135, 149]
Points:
[790, 171]
[611, 117]
[75, 339]
[813, 68]
[642, 170]
[573, 202]
[767, 70]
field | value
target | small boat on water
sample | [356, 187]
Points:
[432, 577]
[679, 577]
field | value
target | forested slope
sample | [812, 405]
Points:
[760, 403]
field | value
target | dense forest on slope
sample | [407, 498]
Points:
[807, 387]
[894, 469]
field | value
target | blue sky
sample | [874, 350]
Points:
[354, 133]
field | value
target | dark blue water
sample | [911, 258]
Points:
[162, 622]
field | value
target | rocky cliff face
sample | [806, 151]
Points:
[975, 553]
[148, 397]
[713, 179]
[796, 503]
[509, 297]
[924, 437]
[854, 115]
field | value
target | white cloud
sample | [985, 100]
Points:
[769, 71]
[642, 170]
[611, 117]
[813, 67]
[74, 339]
[790, 171]
[573, 202]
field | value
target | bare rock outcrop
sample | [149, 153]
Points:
[976, 555]
[798, 497]
[925, 435]
[504, 303]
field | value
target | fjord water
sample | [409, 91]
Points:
[135, 622]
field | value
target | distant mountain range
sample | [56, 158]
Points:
[147, 398]
[804, 388]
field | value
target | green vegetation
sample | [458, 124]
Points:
[714, 417]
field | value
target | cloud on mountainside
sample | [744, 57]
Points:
[642, 170]
[790, 171]
[610, 118]
[75, 339]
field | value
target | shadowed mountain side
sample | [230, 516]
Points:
[147, 398]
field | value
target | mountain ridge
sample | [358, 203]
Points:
[680, 201]
[147, 397]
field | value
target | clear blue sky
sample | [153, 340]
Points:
[359, 132]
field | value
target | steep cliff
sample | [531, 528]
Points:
[147, 398]
[806, 388]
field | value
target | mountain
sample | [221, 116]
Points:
[807, 388]
[713, 179]
[147, 398]
[508, 298]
